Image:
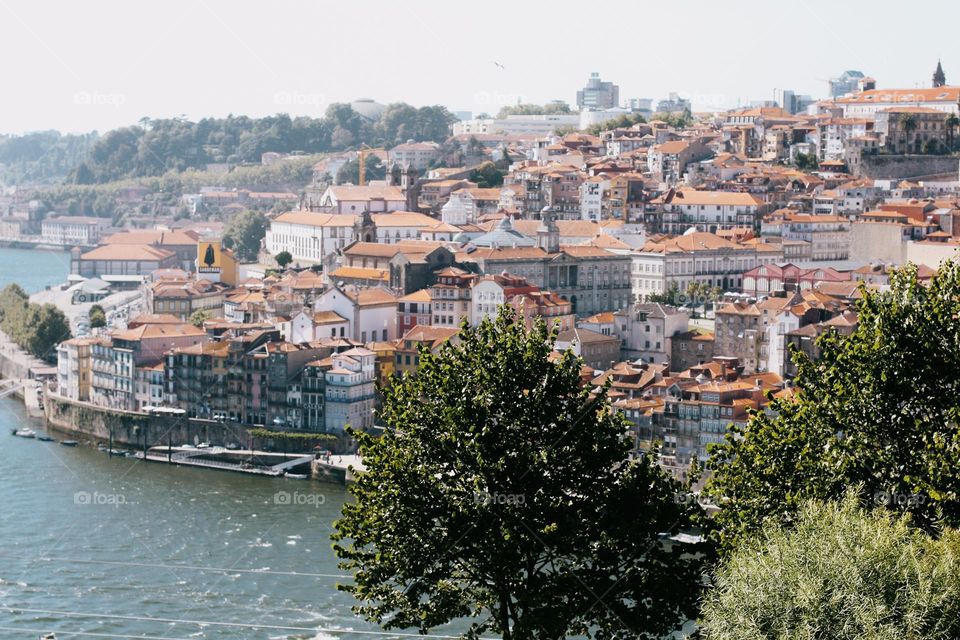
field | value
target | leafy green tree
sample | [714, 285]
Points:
[198, 317]
[283, 259]
[878, 410]
[97, 317]
[670, 296]
[350, 171]
[244, 233]
[534, 109]
[838, 573]
[806, 161]
[487, 175]
[502, 492]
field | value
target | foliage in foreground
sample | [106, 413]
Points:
[878, 410]
[502, 493]
[34, 328]
[840, 573]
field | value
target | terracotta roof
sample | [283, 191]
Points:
[131, 252]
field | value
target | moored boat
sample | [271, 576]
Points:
[25, 433]
[69, 443]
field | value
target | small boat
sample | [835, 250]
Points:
[25, 433]
[296, 476]
[44, 438]
[203, 445]
[69, 443]
[102, 448]
[48, 636]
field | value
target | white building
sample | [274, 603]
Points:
[696, 257]
[592, 192]
[866, 104]
[371, 313]
[418, 155]
[73, 230]
[350, 390]
[706, 210]
[646, 330]
[311, 237]
[539, 125]
[373, 198]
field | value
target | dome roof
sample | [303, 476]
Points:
[368, 108]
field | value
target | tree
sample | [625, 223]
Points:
[839, 573]
[670, 296]
[501, 491]
[244, 233]
[283, 259]
[350, 171]
[806, 161]
[533, 109]
[198, 317]
[487, 175]
[878, 410]
[97, 317]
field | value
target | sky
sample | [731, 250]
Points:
[100, 64]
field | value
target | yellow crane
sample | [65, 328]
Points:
[362, 159]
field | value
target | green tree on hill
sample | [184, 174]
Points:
[878, 410]
[244, 233]
[502, 491]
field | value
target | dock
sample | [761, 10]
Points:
[338, 468]
[262, 463]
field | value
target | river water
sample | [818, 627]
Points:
[107, 546]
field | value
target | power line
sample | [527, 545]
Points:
[147, 565]
[89, 634]
[240, 625]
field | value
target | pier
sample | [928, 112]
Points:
[263, 463]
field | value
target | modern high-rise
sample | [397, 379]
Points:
[848, 82]
[598, 94]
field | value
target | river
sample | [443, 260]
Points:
[106, 546]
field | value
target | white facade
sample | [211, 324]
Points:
[72, 230]
[541, 125]
[592, 192]
[371, 314]
[350, 390]
[646, 330]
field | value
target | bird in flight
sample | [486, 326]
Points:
[498, 65]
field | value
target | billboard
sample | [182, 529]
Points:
[209, 257]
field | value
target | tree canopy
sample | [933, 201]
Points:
[244, 233]
[840, 573]
[878, 410]
[156, 147]
[34, 328]
[502, 493]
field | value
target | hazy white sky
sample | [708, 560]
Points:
[78, 66]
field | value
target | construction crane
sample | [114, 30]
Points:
[362, 154]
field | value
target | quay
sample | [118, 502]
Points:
[263, 463]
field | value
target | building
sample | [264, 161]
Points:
[120, 264]
[417, 155]
[690, 349]
[596, 349]
[669, 160]
[675, 263]
[676, 212]
[312, 238]
[866, 104]
[646, 330]
[905, 130]
[597, 94]
[73, 230]
[371, 314]
[353, 199]
[534, 125]
[74, 367]
[847, 82]
[827, 235]
[770, 278]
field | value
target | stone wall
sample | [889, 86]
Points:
[86, 422]
[895, 167]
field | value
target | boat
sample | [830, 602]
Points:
[48, 636]
[69, 443]
[296, 476]
[203, 445]
[102, 448]
[44, 438]
[25, 433]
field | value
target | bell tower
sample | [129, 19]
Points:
[548, 234]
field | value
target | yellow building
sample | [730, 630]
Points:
[215, 263]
